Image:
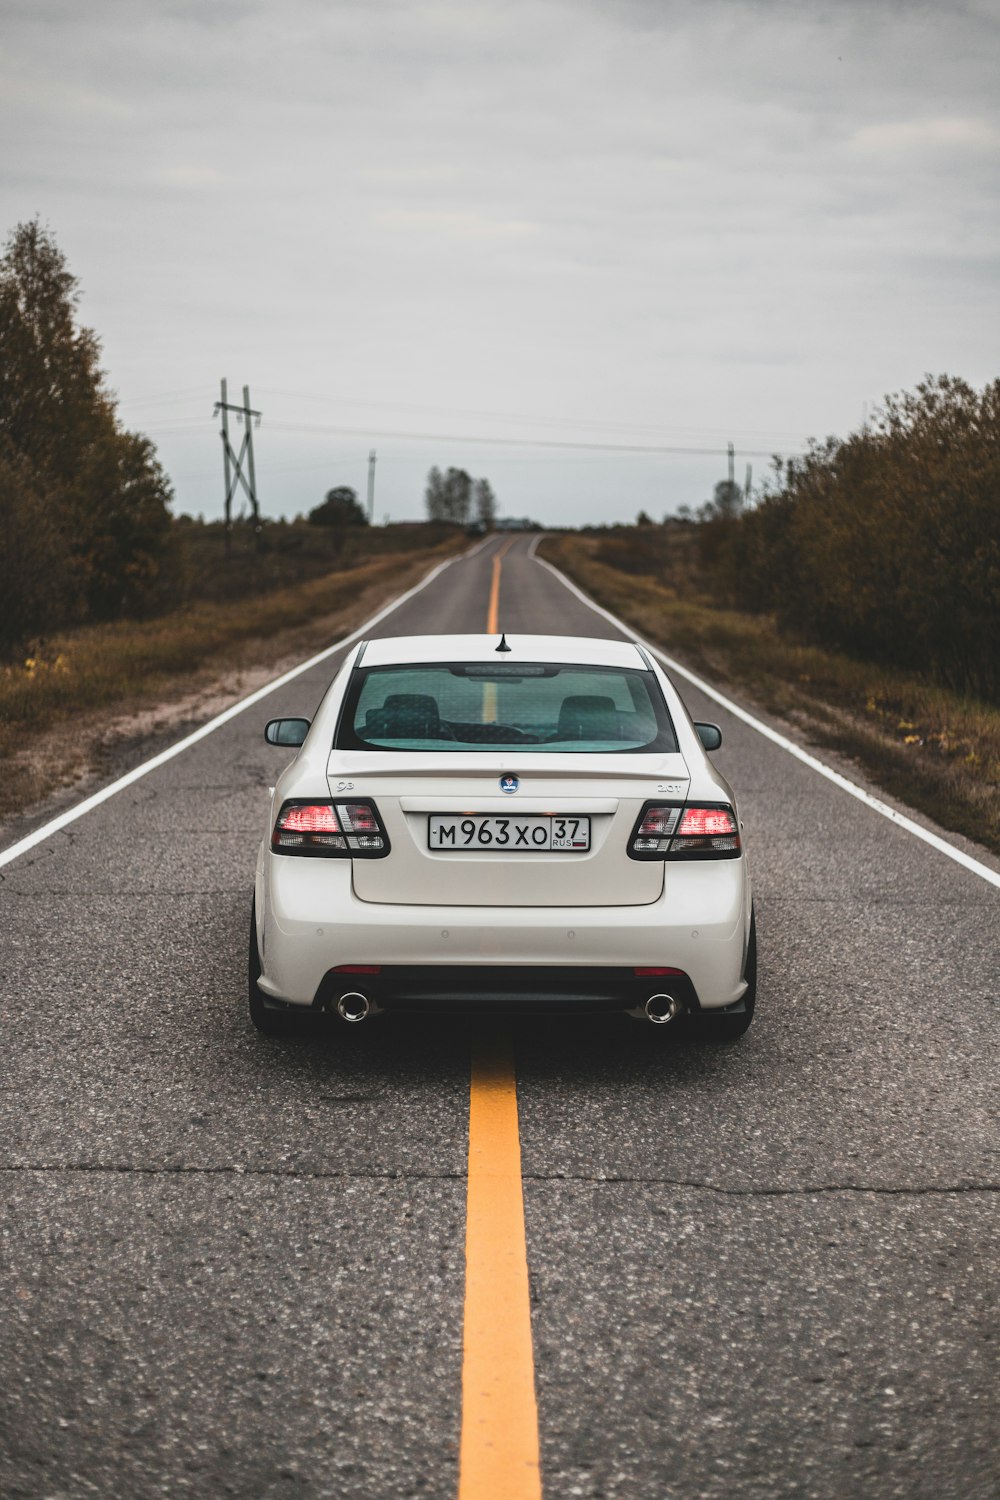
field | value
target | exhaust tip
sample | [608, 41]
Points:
[353, 1006]
[662, 1009]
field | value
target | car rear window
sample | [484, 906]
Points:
[463, 706]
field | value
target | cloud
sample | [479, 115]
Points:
[190, 177]
[944, 132]
[38, 95]
[457, 224]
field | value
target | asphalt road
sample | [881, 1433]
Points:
[235, 1267]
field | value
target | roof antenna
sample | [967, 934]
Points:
[503, 646]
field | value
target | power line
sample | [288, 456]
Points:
[524, 442]
[167, 397]
[533, 421]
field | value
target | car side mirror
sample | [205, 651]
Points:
[286, 731]
[709, 734]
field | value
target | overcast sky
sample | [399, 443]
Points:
[404, 224]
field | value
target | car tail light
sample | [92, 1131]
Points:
[668, 831]
[345, 830]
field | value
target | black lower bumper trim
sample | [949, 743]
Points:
[510, 988]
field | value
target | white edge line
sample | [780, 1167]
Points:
[7, 856]
[943, 847]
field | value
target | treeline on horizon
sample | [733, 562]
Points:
[884, 544]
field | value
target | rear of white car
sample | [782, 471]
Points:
[531, 827]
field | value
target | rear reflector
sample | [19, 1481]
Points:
[643, 973]
[357, 969]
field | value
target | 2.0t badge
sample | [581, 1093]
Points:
[509, 784]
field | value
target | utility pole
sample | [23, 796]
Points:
[251, 475]
[371, 488]
[732, 465]
[746, 488]
[233, 462]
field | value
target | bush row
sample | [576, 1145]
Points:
[885, 544]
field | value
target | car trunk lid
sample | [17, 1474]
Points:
[410, 788]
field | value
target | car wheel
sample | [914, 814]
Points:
[713, 1027]
[269, 1018]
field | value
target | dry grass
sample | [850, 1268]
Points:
[933, 748]
[80, 691]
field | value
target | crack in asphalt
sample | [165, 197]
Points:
[928, 1190]
[189, 1169]
[393, 1174]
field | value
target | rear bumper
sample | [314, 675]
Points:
[310, 923]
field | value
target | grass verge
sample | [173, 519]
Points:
[76, 703]
[931, 748]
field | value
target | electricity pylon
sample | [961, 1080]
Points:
[233, 462]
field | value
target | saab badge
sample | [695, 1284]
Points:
[509, 784]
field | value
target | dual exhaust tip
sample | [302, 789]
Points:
[354, 1006]
[660, 1009]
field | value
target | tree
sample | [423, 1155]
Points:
[53, 406]
[35, 581]
[434, 495]
[104, 496]
[449, 496]
[340, 508]
[486, 504]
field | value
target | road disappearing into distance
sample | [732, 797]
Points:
[238, 1267]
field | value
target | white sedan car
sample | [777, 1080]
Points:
[520, 824]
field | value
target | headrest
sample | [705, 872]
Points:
[413, 706]
[588, 716]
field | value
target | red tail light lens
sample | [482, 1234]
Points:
[706, 831]
[666, 831]
[308, 828]
[334, 829]
[702, 822]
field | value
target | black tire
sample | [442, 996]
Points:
[709, 1026]
[270, 1019]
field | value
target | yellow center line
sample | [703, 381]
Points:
[493, 628]
[499, 1451]
[493, 611]
[498, 1458]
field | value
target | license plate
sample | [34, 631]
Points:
[541, 835]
